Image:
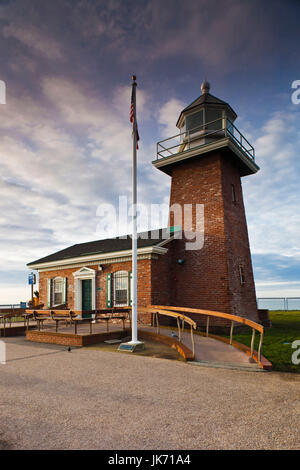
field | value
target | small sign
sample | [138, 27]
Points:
[31, 279]
[131, 347]
[126, 347]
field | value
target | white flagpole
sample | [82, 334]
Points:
[134, 339]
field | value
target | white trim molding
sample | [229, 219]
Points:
[97, 258]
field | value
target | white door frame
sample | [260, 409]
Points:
[79, 276]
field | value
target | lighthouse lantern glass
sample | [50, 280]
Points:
[195, 121]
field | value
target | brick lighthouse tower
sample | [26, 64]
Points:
[206, 162]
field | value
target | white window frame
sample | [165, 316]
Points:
[126, 277]
[61, 279]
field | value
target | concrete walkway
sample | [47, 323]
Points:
[89, 399]
[209, 350]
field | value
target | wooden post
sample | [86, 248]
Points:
[207, 326]
[179, 331]
[252, 341]
[259, 347]
[193, 344]
[231, 331]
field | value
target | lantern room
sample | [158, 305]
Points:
[205, 125]
[205, 119]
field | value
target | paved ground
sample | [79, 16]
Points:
[87, 399]
[206, 349]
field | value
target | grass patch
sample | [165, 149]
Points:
[13, 320]
[277, 343]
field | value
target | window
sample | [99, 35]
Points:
[58, 286]
[229, 126]
[242, 275]
[233, 195]
[194, 122]
[213, 115]
[120, 283]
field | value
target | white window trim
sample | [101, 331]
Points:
[127, 288]
[57, 278]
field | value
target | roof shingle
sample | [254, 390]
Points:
[109, 245]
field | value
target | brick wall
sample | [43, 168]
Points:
[209, 278]
[144, 282]
[243, 297]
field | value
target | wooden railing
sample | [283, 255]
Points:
[210, 313]
[156, 311]
[11, 318]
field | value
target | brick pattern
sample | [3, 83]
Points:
[144, 283]
[209, 278]
[68, 339]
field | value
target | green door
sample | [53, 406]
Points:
[86, 295]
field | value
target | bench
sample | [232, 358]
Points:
[28, 315]
[115, 314]
[62, 315]
[77, 318]
[41, 316]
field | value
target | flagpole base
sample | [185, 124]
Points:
[132, 346]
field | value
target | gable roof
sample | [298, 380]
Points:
[109, 245]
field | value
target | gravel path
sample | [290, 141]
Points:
[88, 399]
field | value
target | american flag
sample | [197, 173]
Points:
[134, 124]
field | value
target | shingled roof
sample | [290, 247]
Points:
[108, 245]
[206, 99]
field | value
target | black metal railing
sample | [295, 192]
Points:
[203, 135]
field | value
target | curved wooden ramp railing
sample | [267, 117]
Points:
[179, 316]
[210, 313]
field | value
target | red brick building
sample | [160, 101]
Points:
[213, 270]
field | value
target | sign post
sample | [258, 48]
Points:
[31, 282]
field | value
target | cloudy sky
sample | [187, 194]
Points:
[65, 144]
